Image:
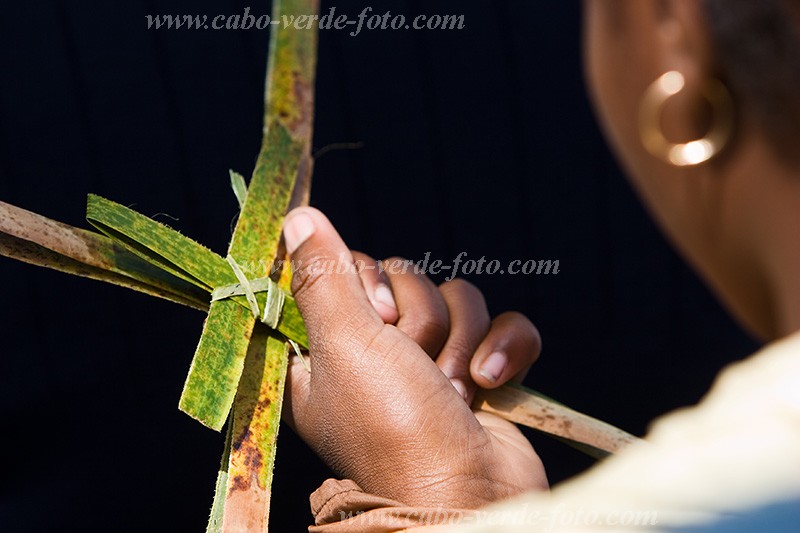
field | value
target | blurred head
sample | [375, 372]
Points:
[723, 215]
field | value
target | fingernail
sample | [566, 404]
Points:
[383, 294]
[296, 230]
[494, 366]
[460, 387]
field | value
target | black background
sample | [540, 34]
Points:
[479, 140]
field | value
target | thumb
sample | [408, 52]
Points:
[326, 286]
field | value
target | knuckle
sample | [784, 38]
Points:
[462, 288]
[460, 348]
[435, 317]
[517, 319]
[519, 327]
[457, 285]
[361, 261]
[431, 324]
[427, 329]
[361, 255]
[397, 266]
[518, 322]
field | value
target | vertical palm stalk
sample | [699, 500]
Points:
[256, 359]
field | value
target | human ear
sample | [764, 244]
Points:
[683, 44]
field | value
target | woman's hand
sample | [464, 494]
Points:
[451, 323]
[385, 404]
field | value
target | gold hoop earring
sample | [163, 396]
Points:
[694, 152]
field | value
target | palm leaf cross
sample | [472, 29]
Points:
[239, 369]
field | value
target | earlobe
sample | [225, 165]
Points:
[693, 152]
[686, 101]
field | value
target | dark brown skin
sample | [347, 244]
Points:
[734, 218]
[383, 404]
[379, 405]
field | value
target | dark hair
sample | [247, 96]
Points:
[757, 43]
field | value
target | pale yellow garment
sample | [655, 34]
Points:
[738, 449]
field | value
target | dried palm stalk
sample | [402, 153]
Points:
[239, 369]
